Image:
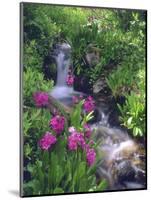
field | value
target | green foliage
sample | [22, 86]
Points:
[129, 49]
[35, 120]
[35, 123]
[122, 80]
[133, 114]
[129, 78]
[39, 26]
[34, 81]
[61, 174]
[31, 57]
[125, 78]
[117, 34]
[95, 72]
[78, 118]
[76, 115]
[133, 111]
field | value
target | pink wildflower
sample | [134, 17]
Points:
[90, 156]
[70, 80]
[80, 140]
[81, 96]
[41, 98]
[72, 142]
[47, 141]
[57, 123]
[91, 142]
[75, 99]
[88, 131]
[76, 139]
[89, 104]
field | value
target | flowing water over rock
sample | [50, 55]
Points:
[122, 160]
[62, 91]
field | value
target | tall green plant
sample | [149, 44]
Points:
[133, 114]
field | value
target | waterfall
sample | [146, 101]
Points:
[61, 55]
[61, 91]
[63, 62]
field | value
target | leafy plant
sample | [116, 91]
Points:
[121, 81]
[35, 122]
[133, 114]
[34, 81]
[31, 57]
[95, 72]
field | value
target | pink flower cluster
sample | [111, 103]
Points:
[87, 130]
[76, 140]
[90, 156]
[57, 123]
[47, 141]
[89, 104]
[41, 98]
[70, 80]
[76, 99]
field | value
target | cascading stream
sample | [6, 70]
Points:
[62, 91]
[121, 160]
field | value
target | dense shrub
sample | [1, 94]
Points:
[133, 114]
[133, 111]
[31, 57]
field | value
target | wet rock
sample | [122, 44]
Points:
[82, 84]
[120, 100]
[92, 58]
[125, 172]
[133, 185]
[141, 177]
[121, 161]
[99, 86]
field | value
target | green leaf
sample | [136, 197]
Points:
[58, 190]
[59, 174]
[102, 185]
[129, 121]
[76, 115]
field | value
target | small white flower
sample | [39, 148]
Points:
[71, 129]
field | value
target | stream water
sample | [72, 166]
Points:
[62, 91]
[122, 159]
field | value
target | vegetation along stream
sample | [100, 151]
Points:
[84, 101]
